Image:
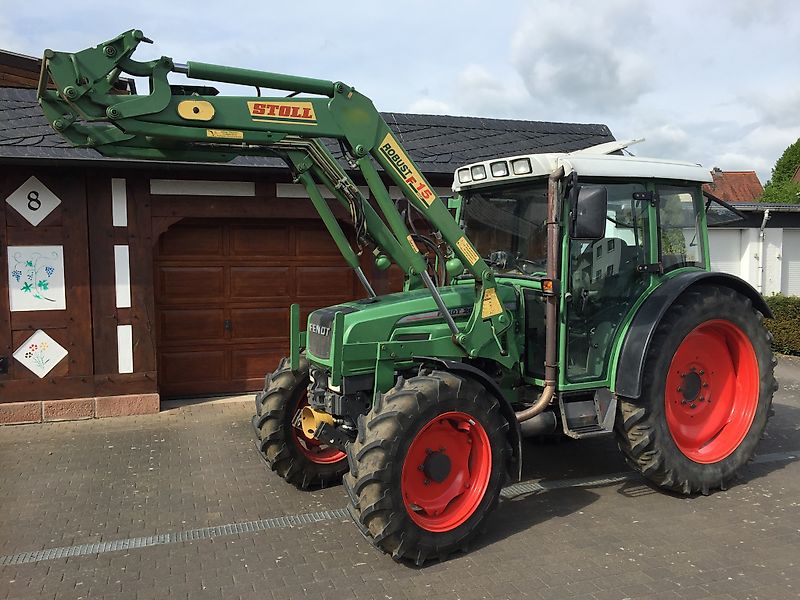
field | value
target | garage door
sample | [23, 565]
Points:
[790, 259]
[223, 289]
[726, 252]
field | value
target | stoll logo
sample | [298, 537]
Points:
[319, 329]
[297, 112]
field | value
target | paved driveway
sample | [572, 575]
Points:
[179, 505]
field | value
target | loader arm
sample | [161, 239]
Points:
[197, 125]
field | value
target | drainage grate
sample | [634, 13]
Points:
[203, 533]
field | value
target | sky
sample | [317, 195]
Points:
[709, 81]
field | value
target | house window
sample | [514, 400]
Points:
[598, 275]
[610, 271]
[599, 251]
[610, 245]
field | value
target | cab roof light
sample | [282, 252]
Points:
[478, 172]
[499, 169]
[464, 176]
[521, 166]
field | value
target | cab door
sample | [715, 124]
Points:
[604, 280]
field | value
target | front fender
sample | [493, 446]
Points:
[630, 366]
[514, 431]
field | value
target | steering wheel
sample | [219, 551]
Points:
[507, 261]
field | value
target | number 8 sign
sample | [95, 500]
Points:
[33, 200]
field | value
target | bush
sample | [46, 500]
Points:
[785, 324]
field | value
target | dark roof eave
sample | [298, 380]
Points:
[115, 163]
[762, 206]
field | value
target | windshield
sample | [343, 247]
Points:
[507, 226]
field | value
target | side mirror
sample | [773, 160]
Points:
[589, 206]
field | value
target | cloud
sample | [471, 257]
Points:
[778, 105]
[429, 106]
[590, 60]
[482, 92]
[476, 91]
[746, 13]
[666, 140]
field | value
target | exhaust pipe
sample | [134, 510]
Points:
[542, 424]
[550, 347]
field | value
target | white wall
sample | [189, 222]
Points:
[738, 251]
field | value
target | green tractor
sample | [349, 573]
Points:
[554, 294]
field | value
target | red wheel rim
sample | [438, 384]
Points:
[312, 448]
[446, 471]
[712, 391]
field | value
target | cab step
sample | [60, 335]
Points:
[588, 416]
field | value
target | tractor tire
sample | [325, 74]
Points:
[300, 460]
[706, 393]
[427, 466]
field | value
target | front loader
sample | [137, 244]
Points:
[569, 294]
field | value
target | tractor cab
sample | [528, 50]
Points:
[626, 223]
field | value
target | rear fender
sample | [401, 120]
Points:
[460, 368]
[630, 366]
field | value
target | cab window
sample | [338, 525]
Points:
[678, 211]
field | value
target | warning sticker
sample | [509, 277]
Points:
[224, 133]
[413, 245]
[467, 250]
[491, 304]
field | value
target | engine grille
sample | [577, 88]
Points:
[320, 329]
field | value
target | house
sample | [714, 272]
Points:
[762, 246]
[734, 186]
[151, 280]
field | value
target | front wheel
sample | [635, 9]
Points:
[298, 458]
[427, 466]
[706, 393]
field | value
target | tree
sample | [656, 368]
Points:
[781, 188]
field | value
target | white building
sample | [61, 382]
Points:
[763, 249]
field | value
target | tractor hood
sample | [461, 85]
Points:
[405, 315]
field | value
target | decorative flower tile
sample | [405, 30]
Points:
[36, 278]
[33, 200]
[40, 353]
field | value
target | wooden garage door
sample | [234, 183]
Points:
[223, 290]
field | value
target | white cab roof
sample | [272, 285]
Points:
[591, 162]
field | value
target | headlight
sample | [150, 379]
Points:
[499, 169]
[478, 172]
[464, 176]
[521, 166]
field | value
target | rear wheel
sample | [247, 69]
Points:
[299, 459]
[706, 393]
[427, 466]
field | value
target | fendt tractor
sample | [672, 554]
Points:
[566, 294]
